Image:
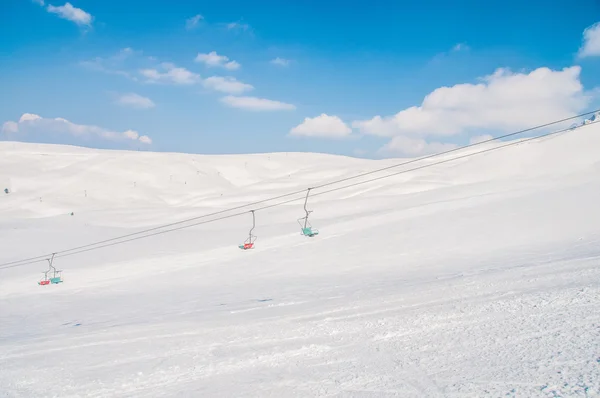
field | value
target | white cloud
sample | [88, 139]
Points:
[172, 75]
[591, 41]
[135, 101]
[145, 139]
[39, 2]
[502, 101]
[256, 104]
[226, 85]
[280, 61]
[192, 22]
[27, 117]
[480, 138]
[133, 65]
[126, 53]
[71, 13]
[322, 126]
[212, 59]
[403, 145]
[131, 134]
[232, 65]
[30, 123]
[10, 127]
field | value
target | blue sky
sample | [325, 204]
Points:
[113, 72]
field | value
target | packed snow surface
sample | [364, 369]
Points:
[476, 277]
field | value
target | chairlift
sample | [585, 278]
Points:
[249, 243]
[44, 281]
[57, 277]
[306, 227]
[56, 274]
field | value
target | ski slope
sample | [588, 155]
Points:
[479, 277]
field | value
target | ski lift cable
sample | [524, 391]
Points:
[337, 189]
[315, 187]
[153, 234]
[43, 257]
[173, 229]
[106, 243]
[89, 248]
[71, 253]
[443, 161]
[456, 149]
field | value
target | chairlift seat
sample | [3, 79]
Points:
[44, 282]
[55, 280]
[308, 231]
[249, 243]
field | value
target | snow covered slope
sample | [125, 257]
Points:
[479, 277]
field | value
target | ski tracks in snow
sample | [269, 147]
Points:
[493, 334]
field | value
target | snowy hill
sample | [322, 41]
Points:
[478, 277]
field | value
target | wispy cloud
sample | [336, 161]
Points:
[126, 53]
[115, 64]
[212, 59]
[237, 26]
[170, 74]
[71, 13]
[144, 139]
[30, 123]
[280, 61]
[256, 104]
[456, 49]
[134, 100]
[460, 47]
[193, 22]
[10, 127]
[228, 85]
[97, 65]
[151, 71]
